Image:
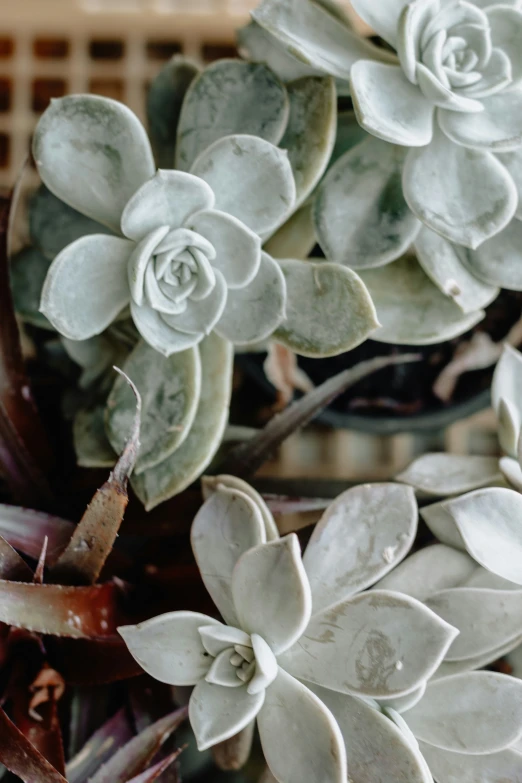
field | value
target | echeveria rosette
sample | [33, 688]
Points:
[188, 256]
[280, 610]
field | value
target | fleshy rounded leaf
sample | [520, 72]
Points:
[506, 765]
[296, 237]
[91, 445]
[93, 153]
[442, 525]
[442, 474]
[86, 286]
[360, 537]
[256, 44]
[377, 644]
[271, 592]
[230, 96]
[251, 179]
[227, 525]
[505, 397]
[254, 312]
[27, 272]
[411, 308]
[158, 334]
[210, 484]
[184, 466]
[498, 128]
[428, 571]
[377, 750]
[440, 186]
[169, 388]
[361, 217]
[217, 713]
[473, 713]
[513, 162]
[169, 646]
[498, 261]
[328, 309]
[300, 737]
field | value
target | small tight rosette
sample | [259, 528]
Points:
[290, 620]
[185, 253]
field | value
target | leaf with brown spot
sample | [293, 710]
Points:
[22, 758]
[134, 757]
[91, 543]
[77, 612]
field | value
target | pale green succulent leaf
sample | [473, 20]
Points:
[253, 313]
[379, 520]
[53, 224]
[93, 153]
[440, 186]
[97, 357]
[490, 523]
[441, 475]
[506, 765]
[461, 606]
[448, 668]
[296, 237]
[211, 484]
[251, 178]
[428, 571]
[91, 444]
[498, 261]
[230, 97]
[328, 309]
[411, 308]
[184, 466]
[506, 400]
[256, 44]
[443, 717]
[512, 472]
[164, 101]
[310, 134]
[442, 525]
[362, 219]
[349, 134]
[27, 272]
[513, 162]
[442, 262]
[170, 389]
[392, 756]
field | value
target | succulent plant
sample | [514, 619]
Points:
[290, 620]
[440, 172]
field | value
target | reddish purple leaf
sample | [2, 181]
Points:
[77, 612]
[134, 757]
[152, 773]
[22, 758]
[26, 530]
[92, 661]
[12, 566]
[115, 733]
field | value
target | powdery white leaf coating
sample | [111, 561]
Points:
[377, 751]
[511, 471]
[314, 36]
[361, 217]
[168, 199]
[296, 237]
[230, 96]
[391, 644]
[280, 610]
[498, 128]
[482, 578]
[411, 308]
[497, 261]
[170, 390]
[228, 524]
[217, 713]
[253, 313]
[442, 525]
[310, 134]
[251, 179]
[93, 153]
[93, 269]
[377, 524]
[328, 309]
[299, 735]
[389, 107]
[513, 162]
[440, 186]
[429, 570]
[443, 264]
[169, 646]
[384, 18]
[472, 713]
[501, 767]
[449, 668]
[490, 523]
[258, 45]
[402, 703]
[498, 623]
[450, 474]
[184, 466]
[210, 484]
[506, 385]
[53, 224]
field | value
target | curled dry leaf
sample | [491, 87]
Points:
[283, 372]
[91, 543]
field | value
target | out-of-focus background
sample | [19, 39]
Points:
[49, 48]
